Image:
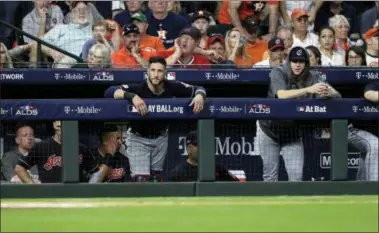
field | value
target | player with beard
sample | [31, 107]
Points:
[147, 141]
[47, 155]
[110, 165]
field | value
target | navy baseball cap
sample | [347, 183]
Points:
[130, 28]
[201, 15]
[192, 32]
[192, 138]
[298, 54]
[275, 43]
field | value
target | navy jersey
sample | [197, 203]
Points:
[167, 29]
[47, 155]
[374, 86]
[172, 89]
[119, 165]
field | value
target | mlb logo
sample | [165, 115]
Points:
[131, 108]
[301, 109]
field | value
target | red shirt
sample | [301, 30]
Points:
[197, 62]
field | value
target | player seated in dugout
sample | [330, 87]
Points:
[187, 170]
[109, 165]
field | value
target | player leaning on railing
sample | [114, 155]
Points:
[147, 141]
[291, 80]
[372, 92]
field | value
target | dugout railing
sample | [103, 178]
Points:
[249, 108]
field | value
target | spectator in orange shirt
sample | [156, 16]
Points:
[184, 54]
[131, 55]
[146, 41]
[255, 47]
[235, 44]
[234, 12]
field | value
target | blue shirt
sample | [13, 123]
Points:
[167, 29]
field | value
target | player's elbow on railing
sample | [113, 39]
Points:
[372, 96]
[114, 93]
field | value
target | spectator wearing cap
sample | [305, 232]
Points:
[301, 36]
[329, 55]
[184, 52]
[201, 20]
[235, 44]
[131, 56]
[369, 18]
[132, 7]
[100, 30]
[331, 8]
[312, 6]
[216, 42]
[286, 34]
[234, 12]
[372, 51]
[146, 41]
[276, 54]
[186, 171]
[255, 48]
[70, 37]
[41, 19]
[164, 24]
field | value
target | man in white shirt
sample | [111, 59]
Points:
[276, 53]
[301, 36]
[372, 52]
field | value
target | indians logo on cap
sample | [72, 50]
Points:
[277, 41]
[299, 52]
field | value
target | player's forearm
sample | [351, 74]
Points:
[200, 91]
[333, 93]
[291, 94]
[23, 175]
[100, 175]
[372, 96]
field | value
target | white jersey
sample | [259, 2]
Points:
[335, 60]
[310, 39]
[372, 61]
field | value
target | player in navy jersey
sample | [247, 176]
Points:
[109, 164]
[47, 155]
[146, 141]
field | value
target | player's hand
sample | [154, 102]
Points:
[198, 103]
[319, 89]
[140, 105]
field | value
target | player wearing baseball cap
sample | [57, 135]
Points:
[291, 80]
[276, 53]
[187, 170]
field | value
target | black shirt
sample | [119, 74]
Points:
[119, 164]
[186, 172]
[172, 89]
[47, 155]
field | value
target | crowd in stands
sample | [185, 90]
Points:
[197, 34]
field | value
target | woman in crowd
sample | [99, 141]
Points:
[341, 27]
[5, 59]
[355, 56]
[314, 55]
[329, 55]
[99, 57]
[235, 45]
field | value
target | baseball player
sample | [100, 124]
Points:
[146, 141]
[47, 155]
[291, 80]
[366, 142]
[110, 165]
